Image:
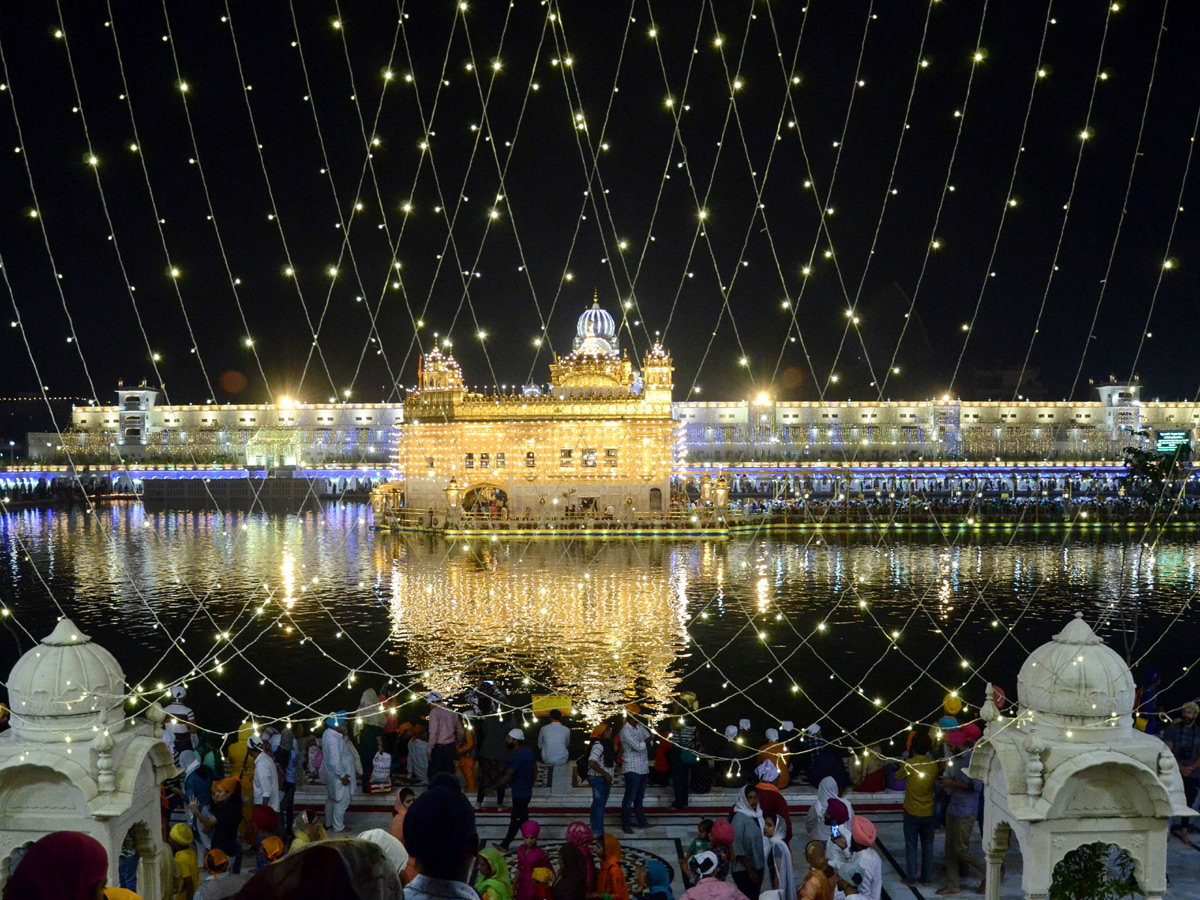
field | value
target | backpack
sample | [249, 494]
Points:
[583, 765]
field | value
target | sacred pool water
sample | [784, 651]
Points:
[290, 616]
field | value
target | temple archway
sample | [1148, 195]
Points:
[480, 497]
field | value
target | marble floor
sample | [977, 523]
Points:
[669, 833]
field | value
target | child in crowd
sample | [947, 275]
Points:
[699, 844]
[466, 761]
[404, 799]
[529, 857]
[653, 881]
[611, 878]
[187, 869]
[266, 823]
[270, 850]
[306, 830]
[418, 756]
[219, 882]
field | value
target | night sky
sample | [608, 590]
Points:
[582, 156]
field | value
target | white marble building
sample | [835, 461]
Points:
[72, 761]
[1070, 769]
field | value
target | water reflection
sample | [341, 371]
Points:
[603, 622]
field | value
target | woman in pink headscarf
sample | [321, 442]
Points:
[64, 865]
[529, 857]
[581, 836]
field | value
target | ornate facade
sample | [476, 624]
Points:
[596, 437]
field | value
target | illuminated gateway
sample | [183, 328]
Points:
[595, 438]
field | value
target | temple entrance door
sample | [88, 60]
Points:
[655, 499]
[481, 499]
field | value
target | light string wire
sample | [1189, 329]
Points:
[934, 243]
[1010, 199]
[392, 276]
[270, 196]
[394, 264]
[595, 193]
[176, 641]
[502, 192]
[760, 185]
[824, 206]
[468, 275]
[137, 142]
[1112, 253]
[890, 191]
[702, 203]
[344, 222]
[485, 125]
[1084, 135]
[427, 131]
[662, 183]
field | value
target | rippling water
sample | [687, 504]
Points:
[278, 611]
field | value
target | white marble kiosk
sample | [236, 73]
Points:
[73, 762]
[1070, 769]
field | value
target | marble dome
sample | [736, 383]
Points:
[596, 331]
[1076, 675]
[65, 687]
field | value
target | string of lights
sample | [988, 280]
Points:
[1137, 154]
[936, 242]
[1010, 202]
[596, 194]
[345, 222]
[597, 202]
[471, 273]
[1085, 135]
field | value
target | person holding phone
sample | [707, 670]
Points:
[839, 817]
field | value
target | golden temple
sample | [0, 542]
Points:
[597, 441]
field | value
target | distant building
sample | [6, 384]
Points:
[597, 401]
[288, 433]
[945, 429]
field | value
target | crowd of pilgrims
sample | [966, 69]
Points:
[879, 510]
[924, 498]
[232, 830]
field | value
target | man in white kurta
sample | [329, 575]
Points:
[266, 776]
[337, 768]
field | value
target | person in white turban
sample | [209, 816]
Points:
[391, 847]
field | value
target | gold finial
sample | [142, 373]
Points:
[595, 297]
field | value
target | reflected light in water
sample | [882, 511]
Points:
[602, 624]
